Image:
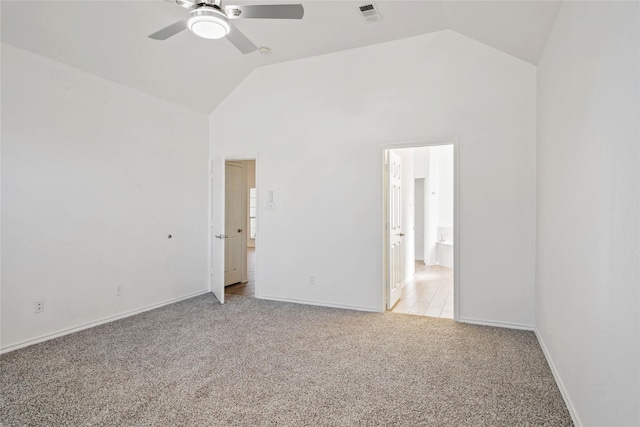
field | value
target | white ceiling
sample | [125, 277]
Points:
[109, 38]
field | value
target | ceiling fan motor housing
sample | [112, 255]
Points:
[214, 3]
[208, 22]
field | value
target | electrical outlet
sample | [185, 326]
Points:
[118, 289]
[38, 306]
[312, 280]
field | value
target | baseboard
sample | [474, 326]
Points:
[91, 324]
[563, 391]
[508, 325]
[319, 303]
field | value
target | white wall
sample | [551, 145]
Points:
[440, 203]
[422, 168]
[317, 124]
[443, 156]
[434, 211]
[587, 293]
[95, 176]
[421, 162]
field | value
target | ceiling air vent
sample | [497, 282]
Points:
[369, 12]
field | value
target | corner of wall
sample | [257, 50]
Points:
[556, 375]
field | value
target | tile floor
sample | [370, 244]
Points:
[430, 293]
[246, 289]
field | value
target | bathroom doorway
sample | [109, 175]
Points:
[420, 217]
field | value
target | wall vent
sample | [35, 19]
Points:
[369, 12]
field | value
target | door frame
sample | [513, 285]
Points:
[383, 203]
[221, 197]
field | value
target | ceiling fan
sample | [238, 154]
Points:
[210, 19]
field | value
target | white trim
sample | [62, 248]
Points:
[319, 303]
[455, 141]
[456, 229]
[563, 391]
[497, 324]
[91, 324]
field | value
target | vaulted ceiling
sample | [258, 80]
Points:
[109, 38]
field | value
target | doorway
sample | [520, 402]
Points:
[420, 229]
[234, 225]
[240, 227]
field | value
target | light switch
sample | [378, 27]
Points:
[271, 205]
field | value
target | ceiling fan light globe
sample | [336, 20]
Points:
[208, 24]
[209, 30]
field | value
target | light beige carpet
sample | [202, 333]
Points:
[254, 363]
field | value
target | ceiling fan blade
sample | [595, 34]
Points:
[187, 4]
[240, 41]
[169, 31]
[266, 11]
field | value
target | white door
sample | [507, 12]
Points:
[395, 257]
[217, 228]
[234, 224]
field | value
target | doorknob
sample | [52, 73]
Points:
[400, 234]
[222, 236]
[239, 230]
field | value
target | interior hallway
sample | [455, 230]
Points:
[429, 293]
[246, 289]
